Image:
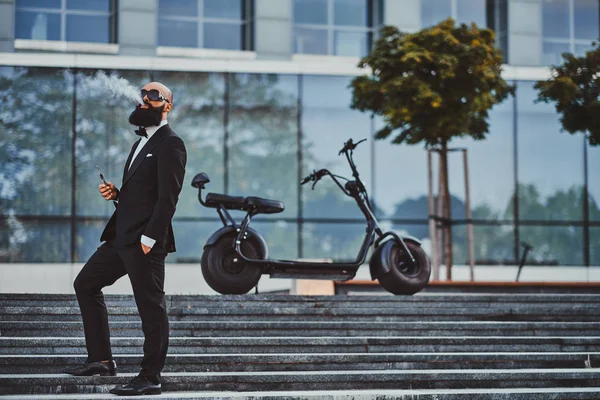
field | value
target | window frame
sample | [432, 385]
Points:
[64, 12]
[247, 23]
[572, 41]
[375, 14]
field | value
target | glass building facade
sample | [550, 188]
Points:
[259, 133]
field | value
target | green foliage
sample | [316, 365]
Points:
[574, 87]
[432, 85]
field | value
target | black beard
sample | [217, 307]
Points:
[145, 117]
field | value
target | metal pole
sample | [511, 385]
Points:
[468, 214]
[440, 207]
[432, 222]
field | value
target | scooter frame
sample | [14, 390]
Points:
[318, 270]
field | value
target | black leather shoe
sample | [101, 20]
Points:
[94, 368]
[138, 386]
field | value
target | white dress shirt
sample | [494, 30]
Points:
[150, 130]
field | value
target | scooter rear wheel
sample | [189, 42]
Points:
[404, 276]
[225, 271]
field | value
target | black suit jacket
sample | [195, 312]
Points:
[149, 192]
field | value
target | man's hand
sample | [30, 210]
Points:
[108, 191]
[145, 249]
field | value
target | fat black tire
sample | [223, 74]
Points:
[224, 275]
[403, 276]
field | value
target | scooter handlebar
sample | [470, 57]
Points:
[350, 145]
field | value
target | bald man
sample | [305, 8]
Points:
[137, 239]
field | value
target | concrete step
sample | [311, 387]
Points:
[311, 328]
[43, 299]
[250, 345]
[48, 364]
[552, 393]
[500, 313]
[313, 380]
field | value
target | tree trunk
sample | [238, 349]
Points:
[447, 212]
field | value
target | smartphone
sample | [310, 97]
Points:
[101, 176]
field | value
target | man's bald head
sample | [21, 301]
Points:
[165, 91]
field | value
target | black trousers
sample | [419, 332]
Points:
[147, 275]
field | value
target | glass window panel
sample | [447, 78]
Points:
[39, 3]
[552, 52]
[177, 33]
[89, 5]
[351, 12]
[281, 238]
[88, 28]
[491, 188]
[434, 11]
[580, 49]
[586, 14]
[328, 122]
[310, 41]
[310, 12]
[492, 245]
[595, 245]
[36, 240]
[35, 144]
[179, 8]
[198, 96]
[550, 162]
[351, 44]
[37, 25]
[190, 238]
[222, 36]
[228, 9]
[553, 245]
[263, 136]
[469, 11]
[555, 18]
[332, 241]
[104, 137]
[594, 182]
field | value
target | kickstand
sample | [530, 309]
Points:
[256, 289]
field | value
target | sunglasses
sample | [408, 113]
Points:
[153, 95]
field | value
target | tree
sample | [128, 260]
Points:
[575, 86]
[431, 86]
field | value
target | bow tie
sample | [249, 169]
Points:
[141, 132]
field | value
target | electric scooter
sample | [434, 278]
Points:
[235, 256]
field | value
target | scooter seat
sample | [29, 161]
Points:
[264, 206]
[230, 202]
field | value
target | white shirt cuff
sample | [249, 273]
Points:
[147, 241]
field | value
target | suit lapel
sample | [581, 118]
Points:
[154, 140]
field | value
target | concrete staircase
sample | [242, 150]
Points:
[428, 346]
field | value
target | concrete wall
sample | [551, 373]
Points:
[273, 29]
[7, 25]
[525, 32]
[137, 27]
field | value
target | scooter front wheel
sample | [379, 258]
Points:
[403, 276]
[225, 271]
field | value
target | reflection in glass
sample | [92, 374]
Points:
[190, 238]
[554, 245]
[469, 11]
[39, 3]
[328, 122]
[350, 44]
[555, 18]
[552, 52]
[310, 12]
[89, 5]
[35, 240]
[281, 238]
[222, 36]
[263, 136]
[88, 28]
[177, 33]
[332, 241]
[351, 12]
[550, 178]
[595, 245]
[37, 25]
[492, 244]
[310, 41]
[227, 9]
[198, 117]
